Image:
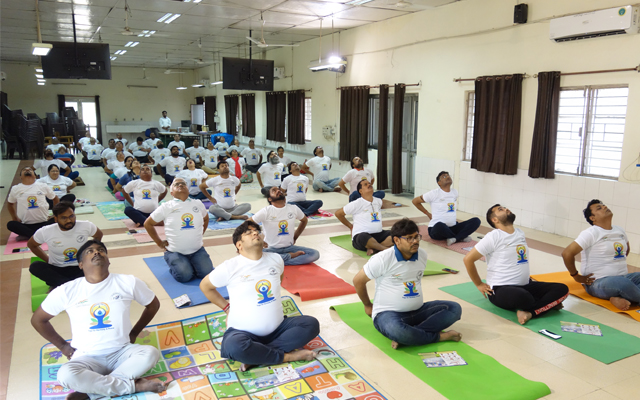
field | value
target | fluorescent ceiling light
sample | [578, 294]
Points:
[128, 44]
[39, 76]
[216, 83]
[187, 1]
[98, 30]
[173, 18]
[197, 1]
[112, 58]
[120, 52]
[40, 83]
[333, 63]
[357, 2]
[161, 19]
[197, 85]
[42, 80]
[181, 87]
[135, 44]
[41, 49]
[39, 70]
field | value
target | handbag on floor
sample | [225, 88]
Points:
[247, 177]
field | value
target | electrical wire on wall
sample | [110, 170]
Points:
[634, 175]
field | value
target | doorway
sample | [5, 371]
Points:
[86, 109]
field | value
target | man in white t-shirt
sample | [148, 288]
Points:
[171, 166]
[195, 152]
[153, 141]
[177, 142]
[257, 332]
[279, 221]
[284, 160]
[366, 231]
[140, 150]
[253, 157]
[55, 145]
[605, 248]
[147, 193]
[108, 152]
[27, 204]
[85, 141]
[185, 221]
[318, 167]
[121, 140]
[210, 159]
[295, 187]
[508, 283]
[270, 173]
[92, 153]
[157, 155]
[225, 188]
[358, 173]
[120, 148]
[164, 122]
[43, 166]
[397, 310]
[64, 239]
[443, 224]
[103, 359]
[222, 146]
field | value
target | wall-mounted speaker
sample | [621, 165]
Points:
[520, 14]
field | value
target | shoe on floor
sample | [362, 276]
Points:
[451, 241]
[467, 239]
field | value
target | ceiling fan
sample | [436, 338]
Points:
[169, 70]
[262, 43]
[200, 60]
[127, 30]
[144, 75]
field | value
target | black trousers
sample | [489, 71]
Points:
[55, 276]
[27, 230]
[534, 297]
[461, 230]
[70, 198]
[95, 163]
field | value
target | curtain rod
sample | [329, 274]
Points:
[524, 76]
[377, 86]
[602, 71]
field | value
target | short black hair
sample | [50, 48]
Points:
[52, 166]
[269, 154]
[175, 147]
[280, 147]
[139, 139]
[289, 166]
[112, 140]
[352, 160]
[121, 142]
[244, 227]
[360, 185]
[48, 152]
[587, 211]
[62, 207]
[440, 174]
[233, 151]
[85, 246]
[221, 162]
[251, 140]
[128, 157]
[163, 112]
[404, 227]
[316, 149]
[490, 215]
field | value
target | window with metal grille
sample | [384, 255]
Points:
[307, 119]
[470, 106]
[590, 130]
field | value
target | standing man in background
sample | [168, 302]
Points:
[165, 122]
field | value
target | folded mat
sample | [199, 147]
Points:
[112, 210]
[141, 235]
[14, 246]
[612, 346]
[192, 365]
[577, 289]
[311, 282]
[344, 241]
[458, 247]
[174, 289]
[214, 224]
[482, 378]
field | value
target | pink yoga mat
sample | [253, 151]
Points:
[143, 236]
[13, 244]
[458, 247]
[311, 282]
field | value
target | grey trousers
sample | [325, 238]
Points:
[226, 213]
[108, 375]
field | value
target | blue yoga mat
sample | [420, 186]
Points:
[160, 269]
[231, 224]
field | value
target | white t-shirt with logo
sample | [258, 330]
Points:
[354, 176]
[443, 206]
[180, 144]
[94, 151]
[152, 143]
[210, 158]
[108, 153]
[138, 149]
[145, 194]
[173, 165]
[252, 156]
[195, 154]
[367, 216]
[285, 161]
[123, 140]
[254, 292]
[183, 223]
[320, 167]
[507, 257]
[114, 155]
[279, 224]
[271, 174]
[194, 179]
[160, 154]
[296, 187]
[55, 147]
[85, 141]
[64, 245]
[59, 186]
[236, 148]
[604, 253]
[222, 148]
[224, 190]
[398, 283]
[98, 313]
[31, 205]
[232, 165]
[43, 165]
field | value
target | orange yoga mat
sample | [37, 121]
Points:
[311, 282]
[576, 289]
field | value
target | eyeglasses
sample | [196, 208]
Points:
[412, 238]
[252, 232]
[180, 184]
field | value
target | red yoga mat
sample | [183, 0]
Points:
[311, 282]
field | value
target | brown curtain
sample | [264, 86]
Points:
[396, 138]
[199, 100]
[276, 115]
[545, 130]
[248, 114]
[231, 112]
[383, 138]
[496, 131]
[210, 112]
[295, 117]
[98, 120]
[354, 122]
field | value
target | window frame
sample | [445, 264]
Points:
[309, 112]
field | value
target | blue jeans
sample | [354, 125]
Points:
[422, 326]
[625, 286]
[73, 175]
[326, 186]
[247, 348]
[308, 207]
[461, 230]
[136, 216]
[184, 267]
[356, 195]
[199, 196]
[309, 256]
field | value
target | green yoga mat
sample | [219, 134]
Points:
[482, 378]
[39, 289]
[612, 346]
[344, 241]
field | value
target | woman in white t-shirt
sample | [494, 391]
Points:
[236, 164]
[210, 160]
[193, 177]
[43, 165]
[61, 185]
[235, 146]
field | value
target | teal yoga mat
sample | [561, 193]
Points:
[612, 346]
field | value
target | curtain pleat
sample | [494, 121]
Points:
[210, 112]
[295, 117]
[248, 115]
[545, 130]
[354, 123]
[383, 138]
[276, 116]
[396, 138]
[231, 112]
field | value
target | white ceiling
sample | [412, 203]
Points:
[220, 25]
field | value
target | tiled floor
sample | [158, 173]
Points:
[569, 374]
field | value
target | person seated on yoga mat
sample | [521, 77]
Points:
[366, 231]
[82, 142]
[61, 185]
[196, 152]
[603, 271]
[271, 173]
[107, 153]
[397, 310]
[121, 140]
[222, 146]
[257, 332]
[64, 155]
[223, 202]
[55, 145]
[295, 188]
[64, 239]
[253, 157]
[153, 141]
[318, 167]
[279, 220]
[210, 159]
[235, 145]
[443, 224]
[140, 150]
[92, 153]
[236, 164]
[27, 204]
[177, 142]
[284, 160]
[43, 165]
[185, 221]
[119, 168]
[171, 166]
[157, 155]
[103, 359]
[508, 283]
[147, 193]
[358, 173]
[120, 148]
[194, 177]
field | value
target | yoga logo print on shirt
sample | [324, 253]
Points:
[410, 289]
[100, 313]
[176, 168]
[212, 159]
[521, 250]
[283, 227]
[187, 221]
[56, 188]
[619, 249]
[300, 187]
[451, 207]
[146, 194]
[193, 182]
[70, 254]
[33, 202]
[161, 157]
[375, 217]
[276, 175]
[227, 192]
[263, 287]
[325, 167]
[93, 152]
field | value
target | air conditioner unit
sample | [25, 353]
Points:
[612, 21]
[278, 73]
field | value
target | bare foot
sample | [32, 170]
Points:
[452, 335]
[337, 189]
[394, 344]
[150, 385]
[297, 253]
[558, 307]
[220, 219]
[300, 355]
[370, 252]
[77, 396]
[320, 190]
[523, 316]
[244, 217]
[620, 303]
[245, 367]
